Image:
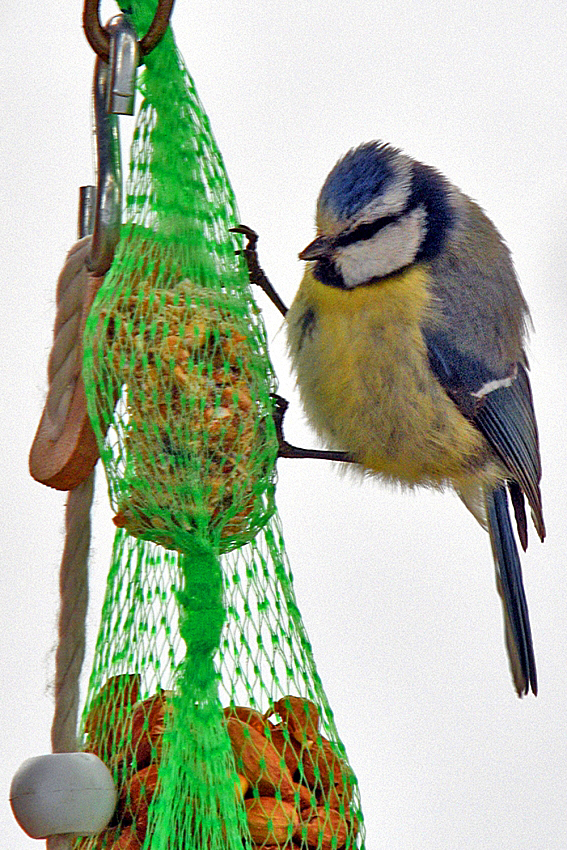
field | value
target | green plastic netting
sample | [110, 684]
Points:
[204, 699]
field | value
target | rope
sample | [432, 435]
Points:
[60, 842]
[73, 590]
[64, 366]
[64, 369]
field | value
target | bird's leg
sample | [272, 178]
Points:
[255, 271]
[258, 278]
[287, 450]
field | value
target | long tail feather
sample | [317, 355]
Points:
[511, 590]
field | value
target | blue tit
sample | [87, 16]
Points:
[407, 339]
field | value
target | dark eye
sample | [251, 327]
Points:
[365, 231]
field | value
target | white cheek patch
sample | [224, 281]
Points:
[386, 252]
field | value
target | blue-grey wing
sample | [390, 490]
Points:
[501, 407]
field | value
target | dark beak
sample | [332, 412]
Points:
[320, 247]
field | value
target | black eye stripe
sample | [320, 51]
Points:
[365, 231]
[326, 272]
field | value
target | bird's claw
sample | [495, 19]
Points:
[285, 449]
[250, 234]
[256, 273]
[281, 404]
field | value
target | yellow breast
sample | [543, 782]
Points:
[365, 381]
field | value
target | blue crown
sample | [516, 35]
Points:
[357, 178]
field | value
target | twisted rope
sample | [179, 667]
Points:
[73, 590]
[64, 365]
[64, 370]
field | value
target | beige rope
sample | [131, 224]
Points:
[60, 842]
[64, 370]
[73, 589]
[64, 366]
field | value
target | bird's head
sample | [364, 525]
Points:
[378, 212]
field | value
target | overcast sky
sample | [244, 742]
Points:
[396, 590]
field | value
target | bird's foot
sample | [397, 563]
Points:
[287, 450]
[256, 273]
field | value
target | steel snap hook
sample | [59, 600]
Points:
[108, 204]
[113, 92]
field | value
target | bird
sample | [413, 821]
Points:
[407, 338]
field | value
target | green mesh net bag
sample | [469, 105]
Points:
[204, 700]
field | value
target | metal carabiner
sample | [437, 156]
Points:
[113, 92]
[108, 205]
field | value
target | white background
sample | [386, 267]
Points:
[397, 590]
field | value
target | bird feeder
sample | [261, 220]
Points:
[204, 702]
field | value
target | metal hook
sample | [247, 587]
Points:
[113, 91]
[108, 208]
[98, 37]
